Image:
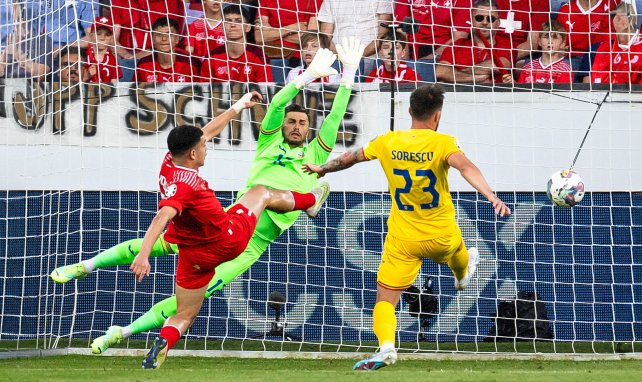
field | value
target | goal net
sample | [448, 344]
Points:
[79, 171]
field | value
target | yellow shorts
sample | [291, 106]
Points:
[401, 260]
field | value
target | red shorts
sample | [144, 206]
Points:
[196, 263]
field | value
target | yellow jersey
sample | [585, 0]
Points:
[417, 171]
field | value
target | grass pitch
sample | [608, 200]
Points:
[192, 369]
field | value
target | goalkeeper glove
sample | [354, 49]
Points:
[321, 66]
[350, 52]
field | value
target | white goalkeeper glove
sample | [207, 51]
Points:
[350, 52]
[248, 100]
[321, 66]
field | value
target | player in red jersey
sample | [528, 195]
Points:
[236, 61]
[551, 67]
[470, 60]
[167, 64]
[587, 22]
[205, 233]
[206, 33]
[440, 23]
[383, 73]
[620, 63]
[101, 62]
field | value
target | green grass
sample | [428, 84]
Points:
[192, 369]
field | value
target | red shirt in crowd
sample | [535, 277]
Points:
[535, 72]
[618, 64]
[205, 37]
[200, 218]
[136, 18]
[248, 67]
[184, 70]
[106, 70]
[281, 13]
[465, 53]
[436, 18]
[586, 27]
[404, 75]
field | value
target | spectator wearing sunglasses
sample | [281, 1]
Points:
[481, 58]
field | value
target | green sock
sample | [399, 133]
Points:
[155, 317]
[124, 253]
[225, 273]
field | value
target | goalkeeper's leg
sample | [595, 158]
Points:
[120, 254]
[161, 311]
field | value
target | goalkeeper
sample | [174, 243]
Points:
[281, 152]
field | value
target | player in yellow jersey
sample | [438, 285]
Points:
[422, 220]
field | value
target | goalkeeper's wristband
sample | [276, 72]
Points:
[303, 79]
[347, 77]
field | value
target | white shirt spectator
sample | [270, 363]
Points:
[355, 18]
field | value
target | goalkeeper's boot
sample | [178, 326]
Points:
[321, 194]
[69, 272]
[473, 260]
[156, 355]
[379, 360]
[113, 336]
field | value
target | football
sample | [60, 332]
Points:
[565, 188]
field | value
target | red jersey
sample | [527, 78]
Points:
[437, 19]
[535, 72]
[618, 64]
[200, 218]
[404, 75]
[136, 18]
[465, 54]
[519, 18]
[586, 27]
[281, 13]
[185, 69]
[248, 67]
[205, 37]
[107, 70]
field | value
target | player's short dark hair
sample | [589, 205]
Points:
[235, 9]
[183, 138]
[165, 22]
[295, 108]
[425, 101]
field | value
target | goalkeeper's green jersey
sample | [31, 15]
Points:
[277, 165]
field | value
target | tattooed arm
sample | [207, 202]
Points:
[346, 160]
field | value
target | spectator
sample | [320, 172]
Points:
[587, 22]
[6, 22]
[383, 73]
[309, 47]
[63, 22]
[70, 61]
[206, 33]
[133, 21]
[520, 24]
[27, 54]
[620, 63]
[280, 22]
[440, 23]
[167, 64]
[340, 18]
[101, 62]
[551, 67]
[236, 61]
[480, 58]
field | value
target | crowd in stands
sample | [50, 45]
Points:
[481, 42]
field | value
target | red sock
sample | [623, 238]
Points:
[171, 334]
[303, 201]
